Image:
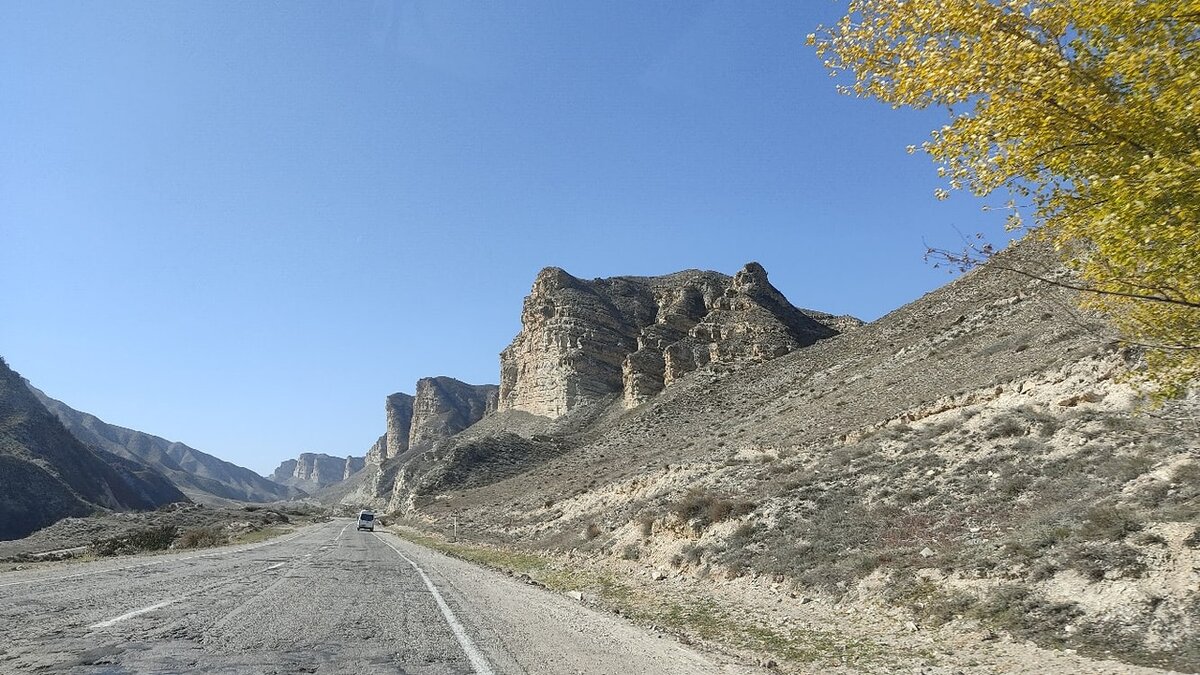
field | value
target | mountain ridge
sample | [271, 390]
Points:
[47, 474]
[203, 476]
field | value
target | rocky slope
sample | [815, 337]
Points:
[581, 341]
[201, 476]
[314, 471]
[975, 456]
[47, 474]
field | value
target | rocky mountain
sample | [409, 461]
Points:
[47, 474]
[314, 471]
[977, 455]
[201, 476]
[441, 408]
[582, 341]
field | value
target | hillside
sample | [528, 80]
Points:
[46, 474]
[201, 476]
[972, 456]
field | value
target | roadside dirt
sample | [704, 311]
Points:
[755, 625]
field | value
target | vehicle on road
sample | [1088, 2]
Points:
[366, 520]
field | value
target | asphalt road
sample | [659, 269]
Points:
[326, 599]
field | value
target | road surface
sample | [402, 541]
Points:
[326, 599]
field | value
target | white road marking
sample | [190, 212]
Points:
[130, 615]
[478, 662]
[165, 559]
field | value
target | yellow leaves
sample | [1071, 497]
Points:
[1087, 109]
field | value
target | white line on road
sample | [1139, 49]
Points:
[478, 662]
[130, 615]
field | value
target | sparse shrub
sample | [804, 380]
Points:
[1151, 539]
[933, 606]
[631, 552]
[1187, 473]
[1029, 447]
[138, 541]
[1123, 468]
[201, 537]
[1020, 611]
[1013, 485]
[1193, 539]
[705, 508]
[1095, 560]
[1109, 523]
[1004, 427]
[692, 553]
[592, 531]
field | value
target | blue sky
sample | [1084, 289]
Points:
[242, 225]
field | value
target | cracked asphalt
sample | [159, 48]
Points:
[326, 599]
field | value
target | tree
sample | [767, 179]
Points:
[1086, 113]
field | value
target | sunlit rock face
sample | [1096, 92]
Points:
[312, 471]
[444, 406]
[399, 409]
[583, 341]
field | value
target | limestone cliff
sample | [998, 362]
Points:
[313, 471]
[442, 407]
[582, 341]
[377, 452]
[399, 410]
[445, 406]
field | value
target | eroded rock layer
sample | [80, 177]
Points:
[313, 471]
[444, 406]
[582, 341]
[399, 409]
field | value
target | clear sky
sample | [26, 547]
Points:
[240, 225]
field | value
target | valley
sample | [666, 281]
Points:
[969, 483]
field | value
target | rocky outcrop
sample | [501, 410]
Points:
[445, 406]
[47, 474]
[442, 407]
[583, 341]
[353, 466]
[313, 471]
[377, 452]
[399, 410]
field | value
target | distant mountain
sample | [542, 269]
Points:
[47, 474]
[313, 471]
[200, 475]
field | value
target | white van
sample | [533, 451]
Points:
[366, 520]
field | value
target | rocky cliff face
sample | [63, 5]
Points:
[442, 407]
[582, 341]
[312, 471]
[377, 452]
[445, 406]
[399, 410]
